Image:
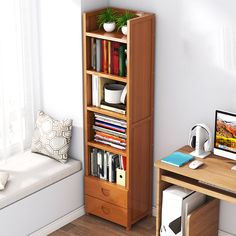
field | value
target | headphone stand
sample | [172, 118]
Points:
[200, 155]
[200, 142]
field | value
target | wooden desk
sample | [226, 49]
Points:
[216, 170]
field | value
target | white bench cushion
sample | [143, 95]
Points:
[30, 172]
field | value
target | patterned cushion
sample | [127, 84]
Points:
[52, 137]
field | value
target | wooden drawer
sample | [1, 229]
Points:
[106, 191]
[106, 210]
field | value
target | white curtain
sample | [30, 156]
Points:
[19, 74]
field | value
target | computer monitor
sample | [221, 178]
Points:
[225, 135]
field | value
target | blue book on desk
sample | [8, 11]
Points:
[177, 159]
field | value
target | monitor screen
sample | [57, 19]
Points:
[225, 131]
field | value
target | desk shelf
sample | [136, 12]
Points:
[195, 185]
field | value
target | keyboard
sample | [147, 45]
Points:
[215, 186]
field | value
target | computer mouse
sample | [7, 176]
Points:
[233, 168]
[195, 164]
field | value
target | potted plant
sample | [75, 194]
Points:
[122, 21]
[107, 19]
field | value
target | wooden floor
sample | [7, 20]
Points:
[89, 225]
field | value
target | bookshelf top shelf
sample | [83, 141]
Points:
[113, 36]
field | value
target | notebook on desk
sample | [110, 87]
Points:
[177, 159]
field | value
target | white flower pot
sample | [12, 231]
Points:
[124, 29]
[109, 27]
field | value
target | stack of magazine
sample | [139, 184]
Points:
[110, 131]
[104, 164]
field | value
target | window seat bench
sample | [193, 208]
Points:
[40, 188]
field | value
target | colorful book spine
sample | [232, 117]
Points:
[93, 53]
[95, 79]
[108, 131]
[102, 137]
[110, 126]
[98, 55]
[122, 60]
[105, 164]
[123, 160]
[112, 137]
[105, 56]
[111, 120]
[115, 54]
[109, 56]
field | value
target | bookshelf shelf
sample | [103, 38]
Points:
[106, 112]
[107, 148]
[108, 76]
[124, 205]
[113, 36]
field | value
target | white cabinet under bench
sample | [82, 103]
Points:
[39, 193]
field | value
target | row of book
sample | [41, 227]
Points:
[110, 131]
[105, 164]
[98, 95]
[108, 57]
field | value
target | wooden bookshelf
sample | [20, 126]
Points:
[123, 205]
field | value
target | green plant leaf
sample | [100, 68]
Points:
[107, 16]
[122, 19]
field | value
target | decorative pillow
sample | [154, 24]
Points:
[3, 179]
[52, 137]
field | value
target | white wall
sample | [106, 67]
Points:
[61, 62]
[90, 5]
[195, 70]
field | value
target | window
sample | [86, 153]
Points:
[18, 80]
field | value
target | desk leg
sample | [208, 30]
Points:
[161, 185]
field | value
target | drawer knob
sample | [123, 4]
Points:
[105, 192]
[105, 210]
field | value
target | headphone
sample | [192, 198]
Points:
[192, 137]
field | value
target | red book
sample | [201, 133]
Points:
[109, 56]
[112, 57]
[105, 56]
[124, 162]
[115, 48]
[102, 55]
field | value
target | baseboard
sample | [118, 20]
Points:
[78, 213]
[222, 233]
[57, 224]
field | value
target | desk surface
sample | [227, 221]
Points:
[216, 170]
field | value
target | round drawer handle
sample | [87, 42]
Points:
[105, 210]
[105, 192]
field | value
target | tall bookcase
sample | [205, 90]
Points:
[127, 204]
